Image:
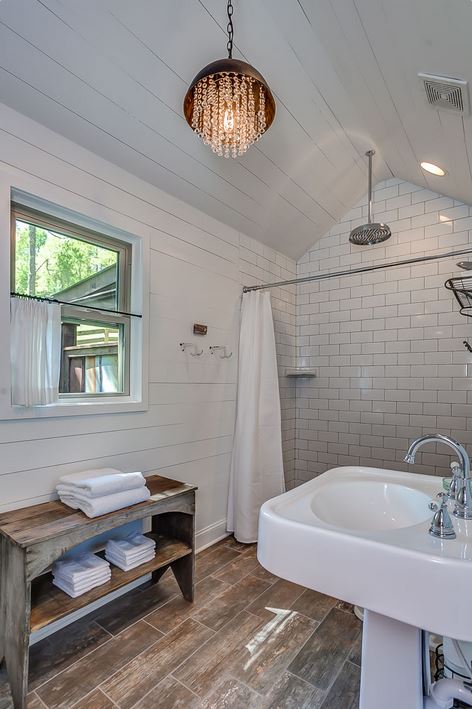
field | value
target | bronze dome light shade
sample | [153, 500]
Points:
[229, 103]
[230, 66]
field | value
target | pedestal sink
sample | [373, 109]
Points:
[361, 535]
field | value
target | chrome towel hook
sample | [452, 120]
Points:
[185, 346]
[224, 354]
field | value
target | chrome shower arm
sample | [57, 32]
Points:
[369, 154]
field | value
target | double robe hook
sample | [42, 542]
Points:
[195, 352]
[224, 354]
[186, 345]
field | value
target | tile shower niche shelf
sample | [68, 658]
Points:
[299, 372]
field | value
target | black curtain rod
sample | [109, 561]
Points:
[353, 271]
[74, 305]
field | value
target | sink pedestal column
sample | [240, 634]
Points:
[392, 671]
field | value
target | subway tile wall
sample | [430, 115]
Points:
[261, 264]
[387, 346]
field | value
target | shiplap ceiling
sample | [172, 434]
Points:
[111, 76]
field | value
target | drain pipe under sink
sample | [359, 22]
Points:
[443, 693]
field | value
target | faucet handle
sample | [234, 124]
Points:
[441, 524]
[456, 482]
[463, 506]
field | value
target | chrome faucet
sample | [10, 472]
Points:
[463, 495]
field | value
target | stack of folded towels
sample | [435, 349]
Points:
[97, 492]
[81, 574]
[130, 552]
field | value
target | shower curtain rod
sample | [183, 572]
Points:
[353, 271]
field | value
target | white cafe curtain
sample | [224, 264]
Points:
[256, 467]
[35, 329]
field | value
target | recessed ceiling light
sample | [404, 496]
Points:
[433, 169]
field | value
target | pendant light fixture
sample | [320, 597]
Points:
[229, 103]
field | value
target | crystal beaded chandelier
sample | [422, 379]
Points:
[229, 103]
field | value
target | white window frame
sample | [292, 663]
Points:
[82, 313]
[138, 302]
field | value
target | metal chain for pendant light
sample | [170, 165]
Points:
[229, 29]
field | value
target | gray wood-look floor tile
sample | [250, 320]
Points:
[120, 613]
[280, 596]
[323, 655]
[95, 700]
[135, 679]
[237, 569]
[261, 661]
[169, 694]
[263, 574]
[356, 652]
[313, 604]
[34, 702]
[55, 653]
[80, 679]
[214, 561]
[6, 702]
[210, 664]
[345, 690]
[232, 694]
[237, 546]
[231, 602]
[170, 615]
[345, 606]
[291, 692]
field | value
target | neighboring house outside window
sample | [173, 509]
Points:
[87, 270]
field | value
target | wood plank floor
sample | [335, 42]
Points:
[250, 641]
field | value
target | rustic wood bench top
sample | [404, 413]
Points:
[33, 525]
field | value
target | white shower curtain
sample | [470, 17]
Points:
[256, 465]
[35, 351]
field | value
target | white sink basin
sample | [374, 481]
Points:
[369, 505]
[361, 534]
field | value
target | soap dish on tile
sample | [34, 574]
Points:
[300, 372]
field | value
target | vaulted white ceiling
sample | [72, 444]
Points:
[111, 75]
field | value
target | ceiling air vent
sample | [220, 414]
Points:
[444, 92]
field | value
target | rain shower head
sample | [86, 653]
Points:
[370, 233]
[466, 265]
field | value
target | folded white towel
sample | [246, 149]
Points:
[131, 545]
[81, 574]
[94, 507]
[136, 539]
[83, 585]
[91, 473]
[86, 577]
[131, 565]
[83, 566]
[111, 556]
[94, 486]
[73, 591]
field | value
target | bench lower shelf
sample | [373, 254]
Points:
[49, 603]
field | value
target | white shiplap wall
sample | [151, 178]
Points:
[387, 345]
[197, 265]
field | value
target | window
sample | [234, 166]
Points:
[90, 274]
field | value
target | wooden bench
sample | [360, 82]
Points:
[32, 538]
